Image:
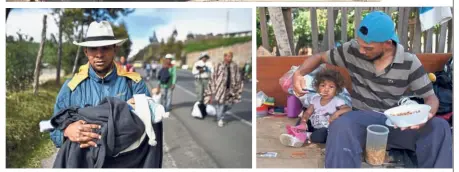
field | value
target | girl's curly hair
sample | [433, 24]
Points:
[329, 75]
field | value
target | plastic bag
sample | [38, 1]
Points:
[196, 112]
[261, 98]
[286, 80]
[211, 110]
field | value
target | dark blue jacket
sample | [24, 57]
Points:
[87, 88]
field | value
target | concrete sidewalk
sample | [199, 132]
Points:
[268, 131]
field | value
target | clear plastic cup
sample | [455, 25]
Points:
[375, 150]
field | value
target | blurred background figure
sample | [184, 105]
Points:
[147, 67]
[202, 70]
[225, 86]
[247, 72]
[154, 68]
[167, 78]
[126, 66]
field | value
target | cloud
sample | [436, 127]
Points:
[137, 45]
[30, 22]
[143, 22]
[196, 21]
[204, 21]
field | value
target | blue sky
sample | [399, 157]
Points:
[144, 21]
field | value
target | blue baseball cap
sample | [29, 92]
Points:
[377, 27]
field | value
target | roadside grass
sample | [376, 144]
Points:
[25, 145]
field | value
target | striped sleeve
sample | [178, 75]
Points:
[336, 56]
[418, 80]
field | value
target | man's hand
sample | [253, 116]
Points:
[172, 86]
[298, 84]
[82, 133]
[416, 127]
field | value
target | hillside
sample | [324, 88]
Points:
[193, 46]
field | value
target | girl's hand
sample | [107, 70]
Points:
[333, 117]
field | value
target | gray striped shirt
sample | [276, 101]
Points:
[381, 90]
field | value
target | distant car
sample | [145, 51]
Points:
[138, 64]
[184, 67]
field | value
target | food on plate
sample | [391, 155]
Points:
[405, 113]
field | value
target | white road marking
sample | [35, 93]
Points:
[239, 118]
[229, 112]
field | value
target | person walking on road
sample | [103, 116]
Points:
[100, 78]
[225, 86]
[147, 70]
[125, 65]
[154, 68]
[167, 78]
[202, 70]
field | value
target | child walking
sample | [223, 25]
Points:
[322, 111]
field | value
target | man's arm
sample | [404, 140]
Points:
[311, 63]
[77, 131]
[421, 86]
[239, 81]
[208, 92]
[433, 102]
[333, 56]
[62, 102]
[195, 70]
[174, 75]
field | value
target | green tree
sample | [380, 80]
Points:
[121, 32]
[20, 63]
[271, 36]
[109, 14]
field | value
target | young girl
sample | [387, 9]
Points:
[322, 111]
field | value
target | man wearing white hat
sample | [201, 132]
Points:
[101, 77]
[167, 78]
[202, 69]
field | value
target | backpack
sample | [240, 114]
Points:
[164, 75]
[443, 88]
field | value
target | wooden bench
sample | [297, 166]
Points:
[270, 69]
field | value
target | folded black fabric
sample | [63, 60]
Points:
[119, 129]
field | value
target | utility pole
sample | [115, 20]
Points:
[227, 21]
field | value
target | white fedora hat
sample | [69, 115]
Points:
[204, 54]
[169, 56]
[100, 34]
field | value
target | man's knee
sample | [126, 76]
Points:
[439, 124]
[344, 121]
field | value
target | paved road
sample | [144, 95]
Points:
[194, 143]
